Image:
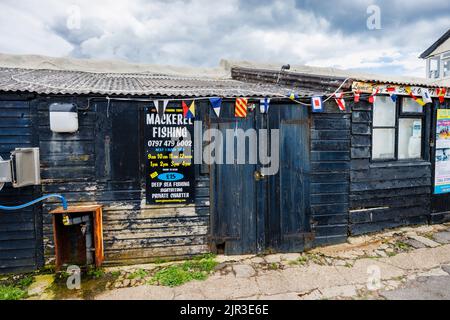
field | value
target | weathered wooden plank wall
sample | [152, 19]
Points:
[384, 195]
[20, 231]
[79, 167]
[330, 174]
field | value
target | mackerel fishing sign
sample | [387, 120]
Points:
[170, 170]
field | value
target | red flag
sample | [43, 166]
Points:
[374, 93]
[357, 96]
[339, 97]
[441, 93]
[240, 109]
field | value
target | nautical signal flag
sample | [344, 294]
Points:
[216, 104]
[411, 94]
[339, 98]
[293, 96]
[317, 105]
[240, 109]
[264, 105]
[426, 96]
[392, 94]
[189, 112]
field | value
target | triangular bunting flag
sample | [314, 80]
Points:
[357, 96]
[441, 94]
[216, 104]
[264, 105]
[189, 112]
[317, 105]
[240, 109]
[159, 104]
[426, 97]
[339, 98]
[374, 95]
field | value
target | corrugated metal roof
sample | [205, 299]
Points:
[333, 73]
[142, 84]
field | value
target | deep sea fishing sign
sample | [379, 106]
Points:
[169, 151]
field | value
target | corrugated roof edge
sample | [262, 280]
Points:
[337, 74]
[43, 81]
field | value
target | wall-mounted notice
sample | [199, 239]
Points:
[169, 153]
[442, 167]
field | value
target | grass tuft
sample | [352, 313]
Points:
[11, 293]
[198, 268]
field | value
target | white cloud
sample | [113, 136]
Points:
[201, 32]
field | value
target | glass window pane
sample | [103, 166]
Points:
[447, 68]
[409, 105]
[433, 68]
[383, 144]
[410, 139]
[384, 112]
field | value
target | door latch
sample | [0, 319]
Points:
[259, 176]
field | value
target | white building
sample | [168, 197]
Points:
[438, 58]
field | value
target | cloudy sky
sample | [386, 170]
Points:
[201, 32]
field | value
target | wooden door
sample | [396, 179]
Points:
[251, 213]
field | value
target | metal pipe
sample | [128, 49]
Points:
[12, 208]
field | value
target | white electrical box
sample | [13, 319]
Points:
[63, 117]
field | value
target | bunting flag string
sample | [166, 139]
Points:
[240, 109]
[189, 112]
[339, 98]
[264, 105]
[243, 106]
[216, 104]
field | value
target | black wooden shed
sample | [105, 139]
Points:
[328, 185]
[392, 181]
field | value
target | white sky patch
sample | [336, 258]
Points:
[201, 32]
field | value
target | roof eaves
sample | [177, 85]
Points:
[435, 45]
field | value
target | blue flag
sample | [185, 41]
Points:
[216, 103]
[264, 105]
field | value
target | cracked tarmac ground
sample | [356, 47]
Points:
[407, 263]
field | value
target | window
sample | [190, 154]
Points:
[397, 129]
[434, 68]
[446, 67]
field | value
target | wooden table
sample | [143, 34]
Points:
[60, 237]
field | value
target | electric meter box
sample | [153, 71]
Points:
[63, 118]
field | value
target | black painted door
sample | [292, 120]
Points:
[233, 196]
[251, 212]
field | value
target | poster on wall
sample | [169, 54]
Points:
[442, 166]
[170, 170]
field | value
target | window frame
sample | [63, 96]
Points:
[400, 114]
